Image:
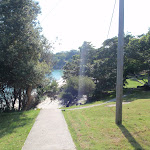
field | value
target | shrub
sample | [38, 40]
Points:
[77, 87]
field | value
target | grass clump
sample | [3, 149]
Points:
[15, 127]
[95, 128]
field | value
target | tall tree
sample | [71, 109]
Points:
[22, 46]
[137, 56]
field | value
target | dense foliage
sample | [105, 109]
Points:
[101, 64]
[98, 64]
[24, 52]
[61, 58]
[75, 88]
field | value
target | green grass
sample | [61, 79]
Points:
[14, 128]
[137, 94]
[132, 83]
[95, 128]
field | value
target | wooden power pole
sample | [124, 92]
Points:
[119, 86]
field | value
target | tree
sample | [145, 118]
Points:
[61, 58]
[100, 64]
[104, 67]
[72, 68]
[22, 49]
[137, 54]
[81, 64]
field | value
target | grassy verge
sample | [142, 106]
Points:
[95, 128]
[133, 84]
[14, 128]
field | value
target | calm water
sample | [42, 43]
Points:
[57, 74]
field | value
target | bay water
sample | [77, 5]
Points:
[57, 74]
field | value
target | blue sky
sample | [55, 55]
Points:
[70, 22]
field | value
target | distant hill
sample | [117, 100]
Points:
[61, 58]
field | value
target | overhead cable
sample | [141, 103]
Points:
[111, 19]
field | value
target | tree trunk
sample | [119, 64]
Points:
[29, 98]
[15, 97]
[19, 108]
[148, 78]
[7, 103]
[24, 100]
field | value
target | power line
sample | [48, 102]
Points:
[51, 10]
[111, 19]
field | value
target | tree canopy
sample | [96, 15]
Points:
[24, 51]
[101, 64]
[61, 58]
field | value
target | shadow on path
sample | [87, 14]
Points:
[130, 138]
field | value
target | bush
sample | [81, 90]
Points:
[49, 88]
[77, 87]
[68, 99]
[86, 86]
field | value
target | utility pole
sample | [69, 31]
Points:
[119, 86]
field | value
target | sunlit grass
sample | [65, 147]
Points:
[133, 83]
[14, 128]
[95, 128]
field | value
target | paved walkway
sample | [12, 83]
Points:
[50, 131]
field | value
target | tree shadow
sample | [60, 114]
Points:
[9, 122]
[130, 138]
[136, 94]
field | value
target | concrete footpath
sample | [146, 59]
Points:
[50, 131]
